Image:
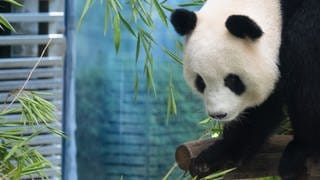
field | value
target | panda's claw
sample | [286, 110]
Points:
[204, 168]
[199, 168]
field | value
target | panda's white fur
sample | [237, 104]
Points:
[213, 52]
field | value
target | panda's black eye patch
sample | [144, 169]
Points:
[200, 84]
[243, 26]
[234, 83]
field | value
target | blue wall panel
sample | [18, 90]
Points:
[116, 134]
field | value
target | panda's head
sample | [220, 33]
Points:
[231, 53]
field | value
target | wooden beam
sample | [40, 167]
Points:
[265, 163]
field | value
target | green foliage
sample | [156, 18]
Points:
[139, 22]
[17, 158]
[171, 107]
[193, 3]
[270, 178]
[213, 129]
[6, 24]
[219, 175]
[36, 111]
[13, 2]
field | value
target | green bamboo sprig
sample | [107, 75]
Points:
[171, 107]
[192, 3]
[139, 22]
[36, 110]
[17, 158]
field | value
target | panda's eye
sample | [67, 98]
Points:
[234, 83]
[200, 84]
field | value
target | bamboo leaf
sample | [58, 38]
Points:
[106, 17]
[168, 8]
[171, 107]
[205, 121]
[146, 35]
[194, 3]
[179, 45]
[6, 24]
[118, 4]
[40, 93]
[35, 168]
[9, 111]
[114, 6]
[12, 137]
[117, 32]
[56, 131]
[150, 80]
[138, 47]
[219, 174]
[14, 2]
[173, 101]
[146, 17]
[162, 15]
[136, 85]
[127, 25]
[173, 55]
[84, 12]
[22, 143]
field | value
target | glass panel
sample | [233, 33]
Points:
[118, 135]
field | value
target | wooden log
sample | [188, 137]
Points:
[265, 163]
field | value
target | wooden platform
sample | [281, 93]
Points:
[263, 164]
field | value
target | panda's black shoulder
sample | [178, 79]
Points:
[300, 46]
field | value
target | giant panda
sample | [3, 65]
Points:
[250, 60]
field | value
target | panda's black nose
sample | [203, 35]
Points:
[218, 115]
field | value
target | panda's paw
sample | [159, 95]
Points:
[293, 176]
[289, 175]
[292, 172]
[209, 161]
[199, 167]
[293, 162]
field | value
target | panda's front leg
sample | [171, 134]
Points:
[241, 139]
[216, 157]
[238, 144]
[293, 162]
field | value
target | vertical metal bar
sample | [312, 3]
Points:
[56, 27]
[69, 164]
[5, 51]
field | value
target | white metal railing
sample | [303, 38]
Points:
[25, 45]
[29, 62]
[30, 39]
[34, 17]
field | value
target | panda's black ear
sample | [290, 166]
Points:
[183, 21]
[242, 27]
